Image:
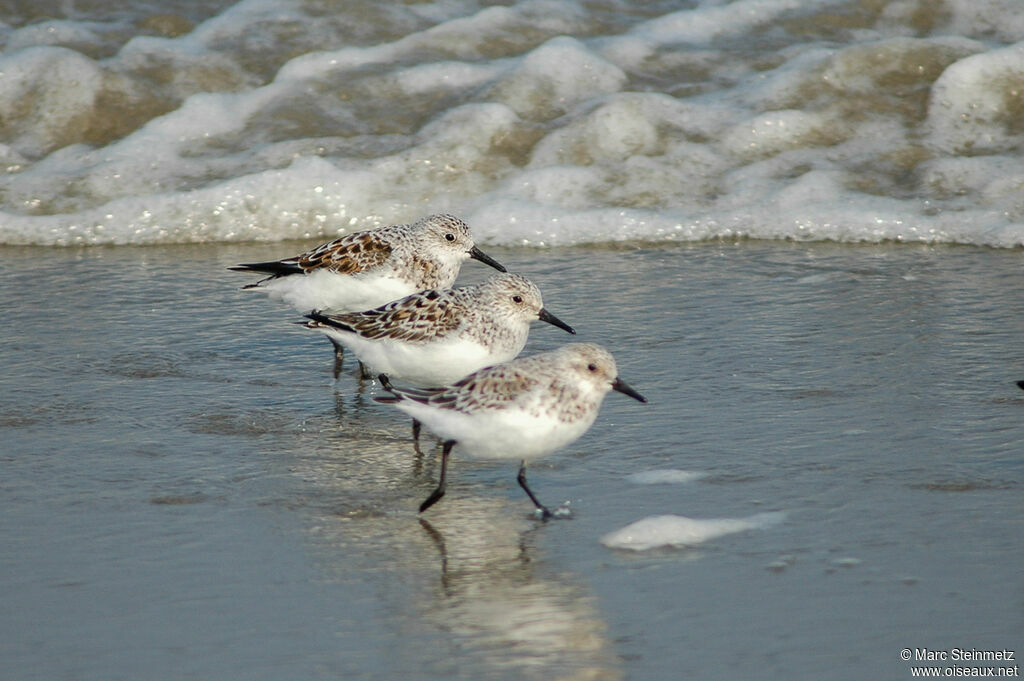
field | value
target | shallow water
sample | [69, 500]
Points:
[187, 493]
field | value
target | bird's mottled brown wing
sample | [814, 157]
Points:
[490, 388]
[348, 255]
[421, 317]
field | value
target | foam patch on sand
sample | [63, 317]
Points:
[664, 476]
[674, 531]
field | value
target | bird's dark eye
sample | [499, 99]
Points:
[449, 236]
[517, 299]
[591, 367]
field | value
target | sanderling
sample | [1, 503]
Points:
[523, 409]
[365, 269]
[436, 337]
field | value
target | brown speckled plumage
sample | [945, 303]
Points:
[558, 383]
[350, 254]
[365, 269]
[485, 313]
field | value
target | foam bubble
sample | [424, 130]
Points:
[556, 76]
[309, 198]
[635, 151]
[443, 76]
[665, 476]
[616, 130]
[182, 67]
[977, 103]
[956, 176]
[986, 19]
[515, 222]
[72, 34]
[776, 131]
[673, 531]
[38, 111]
[705, 23]
[899, 65]
[469, 38]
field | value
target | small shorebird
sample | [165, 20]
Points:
[524, 409]
[365, 269]
[436, 337]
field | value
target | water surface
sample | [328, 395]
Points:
[187, 493]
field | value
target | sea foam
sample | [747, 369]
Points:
[673, 531]
[542, 123]
[664, 476]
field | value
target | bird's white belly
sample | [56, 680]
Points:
[501, 433]
[429, 365]
[325, 290]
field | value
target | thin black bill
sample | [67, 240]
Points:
[546, 316]
[621, 386]
[477, 254]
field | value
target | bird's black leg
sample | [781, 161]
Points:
[521, 478]
[416, 427]
[439, 492]
[339, 357]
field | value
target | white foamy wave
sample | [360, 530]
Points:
[673, 531]
[543, 123]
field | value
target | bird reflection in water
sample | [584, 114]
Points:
[506, 605]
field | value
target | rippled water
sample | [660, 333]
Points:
[186, 492]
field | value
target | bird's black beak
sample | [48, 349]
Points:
[621, 386]
[546, 316]
[477, 254]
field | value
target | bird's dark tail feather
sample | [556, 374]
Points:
[321, 318]
[277, 268]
